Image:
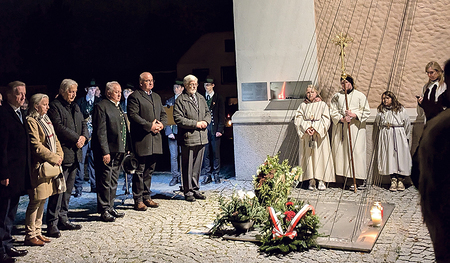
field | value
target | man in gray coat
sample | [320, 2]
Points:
[192, 116]
[147, 118]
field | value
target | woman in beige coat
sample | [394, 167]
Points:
[45, 147]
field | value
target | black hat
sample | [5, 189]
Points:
[130, 164]
[93, 83]
[209, 79]
[178, 81]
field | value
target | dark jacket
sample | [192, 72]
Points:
[186, 115]
[84, 106]
[69, 126]
[107, 134]
[170, 129]
[14, 153]
[142, 111]
[217, 110]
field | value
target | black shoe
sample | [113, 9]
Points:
[93, 190]
[174, 181]
[4, 258]
[190, 198]
[115, 213]
[68, 226]
[198, 195]
[53, 231]
[217, 179]
[207, 180]
[107, 217]
[13, 252]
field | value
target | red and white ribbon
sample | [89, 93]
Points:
[290, 232]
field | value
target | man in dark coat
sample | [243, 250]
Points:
[147, 119]
[86, 104]
[109, 142]
[191, 114]
[14, 165]
[171, 131]
[434, 178]
[72, 132]
[211, 160]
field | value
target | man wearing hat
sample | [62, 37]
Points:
[86, 105]
[211, 159]
[355, 118]
[171, 133]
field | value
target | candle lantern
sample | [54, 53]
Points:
[376, 214]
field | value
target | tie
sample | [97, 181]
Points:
[123, 124]
[433, 93]
[194, 99]
[208, 100]
[19, 113]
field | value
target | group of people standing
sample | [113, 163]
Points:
[61, 132]
[322, 159]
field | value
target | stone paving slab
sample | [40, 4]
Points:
[160, 235]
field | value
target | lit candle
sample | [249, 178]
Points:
[375, 214]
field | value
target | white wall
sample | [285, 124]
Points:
[272, 43]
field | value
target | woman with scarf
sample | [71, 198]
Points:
[312, 121]
[45, 147]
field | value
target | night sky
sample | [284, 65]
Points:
[45, 41]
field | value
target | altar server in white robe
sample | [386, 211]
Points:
[357, 114]
[393, 128]
[312, 121]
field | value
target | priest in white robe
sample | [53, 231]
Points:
[312, 121]
[357, 114]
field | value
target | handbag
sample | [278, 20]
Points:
[47, 170]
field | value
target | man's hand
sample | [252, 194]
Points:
[310, 131]
[5, 182]
[218, 134]
[202, 124]
[157, 126]
[171, 136]
[106, 159]
[81, 141]
[350, 114]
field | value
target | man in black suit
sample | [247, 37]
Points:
[86, 104]
[109, 142]
[71, 129]
[14, 165]
[147, 119]
[211, 161]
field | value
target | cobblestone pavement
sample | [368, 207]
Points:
[160, 235]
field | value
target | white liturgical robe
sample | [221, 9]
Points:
[315, 151]
[357, 104]
[394, 129]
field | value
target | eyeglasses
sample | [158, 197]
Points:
[192, 85]
[149, 80]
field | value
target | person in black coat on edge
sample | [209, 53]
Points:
[14, 165]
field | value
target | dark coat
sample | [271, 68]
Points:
[217, 110]
[14, 153]
[142, 111]
[186, 115]
[107, 123]
[69, 126]
[84, 106]
[170, 129]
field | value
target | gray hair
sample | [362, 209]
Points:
[13, 85]
[110, 85]
[66, 84]
[188, 79]
[35, 100]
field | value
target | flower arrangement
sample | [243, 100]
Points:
[242, 207]
[292, 226]
[274, 180]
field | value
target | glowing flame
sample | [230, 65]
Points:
[282, 94]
